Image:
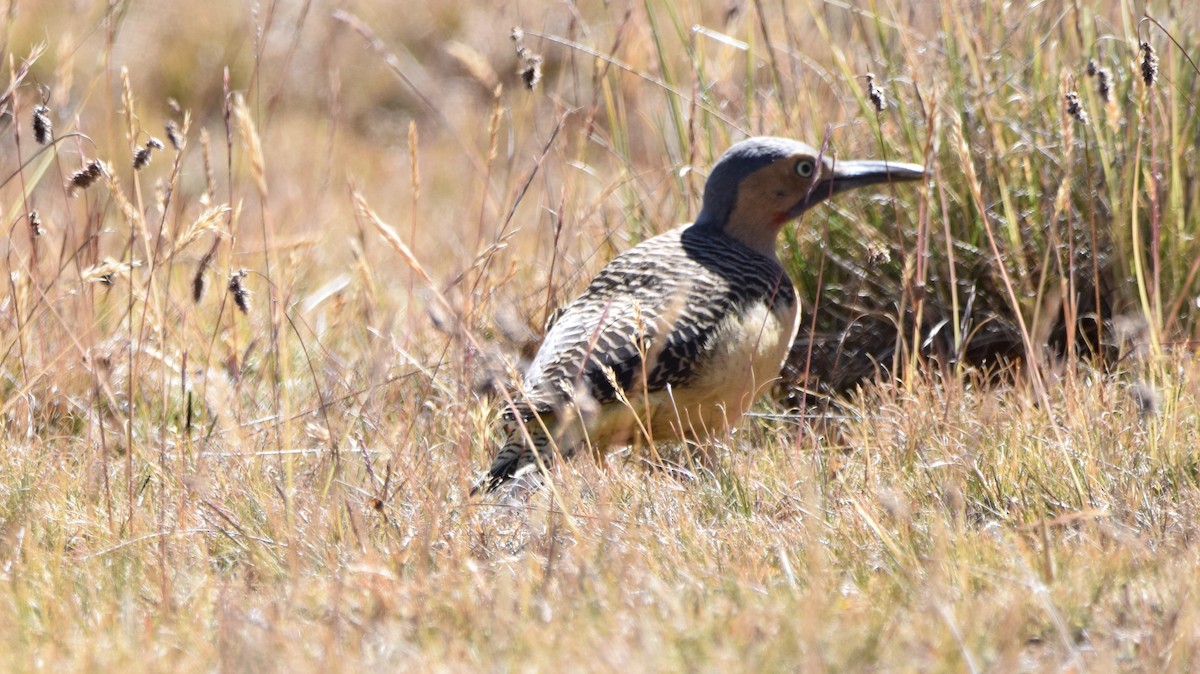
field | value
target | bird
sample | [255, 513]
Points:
[676, 337]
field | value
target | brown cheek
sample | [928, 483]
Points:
[785, 187]
[763, 197]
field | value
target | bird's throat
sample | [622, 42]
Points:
[759, 233]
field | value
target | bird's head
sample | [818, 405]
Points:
[761, 184]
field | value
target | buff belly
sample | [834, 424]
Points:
[747, 357]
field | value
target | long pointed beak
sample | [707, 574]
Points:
[847, 175]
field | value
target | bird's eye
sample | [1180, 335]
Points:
[805, 168]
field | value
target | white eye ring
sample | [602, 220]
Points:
[805, 168]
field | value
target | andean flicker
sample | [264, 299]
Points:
[677, 336]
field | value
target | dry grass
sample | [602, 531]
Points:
[246, 386]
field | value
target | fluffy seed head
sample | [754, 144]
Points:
[198, 287]
[43, 129]
[1149, 64]
[531, 62]
[88, 175]
[1104, 84]
[876, 94]
[1075, 108]
[531, 71]
[141, 158]
[241, 296]
[198, 282]
[173, 135]
[143, 155]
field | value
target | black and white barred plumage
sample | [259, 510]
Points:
[656, 318]
[676, 337]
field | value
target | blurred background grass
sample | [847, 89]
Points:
[188, 485]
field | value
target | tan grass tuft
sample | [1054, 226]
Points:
[132, 214]
[210, 176]
[253, 143]
[209, 222]
[108, 270]
[474, 63]
[389, 234]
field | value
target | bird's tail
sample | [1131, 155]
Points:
[515, 458]
[527, 444]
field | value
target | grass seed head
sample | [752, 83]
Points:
[875, 92]
[141, 158]
[108, 271]
[198, 281]
[88, 175]
[241, 296]
[35, 223]
[173, 135]
[162, 194]
[531, 71]
[210, 176]
[1091, 67]
[1104, 84]
[198, 286]
[531, 62]
[1149, 64]
[1075, 108]
[43, 129]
